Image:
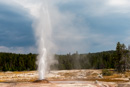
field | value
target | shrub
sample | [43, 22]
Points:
[107, 72]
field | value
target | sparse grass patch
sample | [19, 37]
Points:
[127, 74]
[107, 72]
[68, 74]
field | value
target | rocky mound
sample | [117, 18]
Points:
[41, 81]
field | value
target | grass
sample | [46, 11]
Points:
[30, 76]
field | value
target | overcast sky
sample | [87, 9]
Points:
[77, 25]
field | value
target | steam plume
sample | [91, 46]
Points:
[42, 29]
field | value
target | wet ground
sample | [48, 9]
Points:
[59, 84]
[63, 78]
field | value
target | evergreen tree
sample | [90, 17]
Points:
[121, 57]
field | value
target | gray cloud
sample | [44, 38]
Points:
[15, 27]
[82, 25]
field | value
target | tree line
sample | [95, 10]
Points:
[17, 62]
[118, 59]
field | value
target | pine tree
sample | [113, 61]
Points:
[121, 57]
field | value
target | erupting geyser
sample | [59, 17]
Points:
[42, 27]
[38, 10]
[42, 64]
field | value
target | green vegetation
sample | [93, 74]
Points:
[122, 58]
[118, 59]
[107, 72]
[99, 60]
[17, 62]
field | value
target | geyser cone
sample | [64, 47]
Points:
[41, 81]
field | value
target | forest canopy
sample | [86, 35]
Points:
[117, 59]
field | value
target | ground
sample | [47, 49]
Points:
[64, 78]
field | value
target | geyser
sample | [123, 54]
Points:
[42, 64]
[43, 34]
[38, 9]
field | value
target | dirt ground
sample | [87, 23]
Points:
[64, 78]
[58, 84]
